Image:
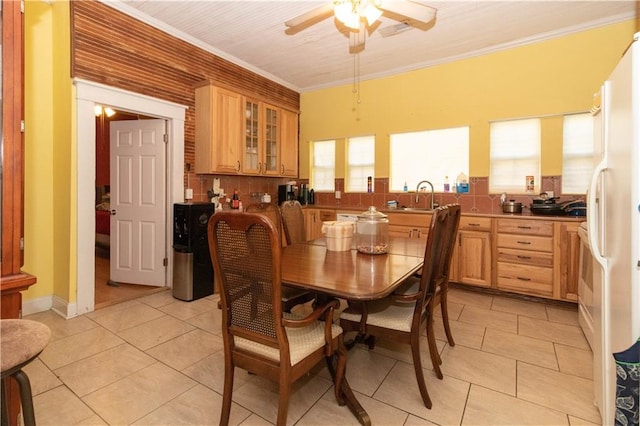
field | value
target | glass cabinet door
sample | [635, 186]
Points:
[271, 140]
[251, 138]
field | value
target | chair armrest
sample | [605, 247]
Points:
[319, 311]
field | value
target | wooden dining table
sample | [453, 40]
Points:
[353, 276]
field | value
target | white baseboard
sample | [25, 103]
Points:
[54, 303]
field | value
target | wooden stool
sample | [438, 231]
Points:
[21, 341]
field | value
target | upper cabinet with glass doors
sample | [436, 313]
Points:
[262, 139]
[237, 134]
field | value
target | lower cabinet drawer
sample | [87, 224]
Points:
[529, 279]
[533, 258]
[525, 242]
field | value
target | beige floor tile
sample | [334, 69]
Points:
[78, 346]
[417, 421]
[186, 310]
[197, 406]
[402, 351]
[455, 309]
[465, 334]
[92, 373]
[42, 379]
[470, 298]
[367, 369]
[488, 407]
[61, 327]
[261, 395]
[578, 362]
[400, 390]
[519, 307]
[570, 394]
[139, 394]
[157, 300]
[210, 321]
[554, 332]
[490, 319]
[120, 320]
[94, 420]
[155, 332]
[187, 349]
[522, 348]
[328, 412]
[123, 306]
[562, 315]
[575, 421]
[59, 406]
[254, 420]
[210, 372]
[492, 371]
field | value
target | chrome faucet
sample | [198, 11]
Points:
[418, 191]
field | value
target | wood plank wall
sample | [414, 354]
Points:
[112, 48]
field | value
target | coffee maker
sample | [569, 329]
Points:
[286, 193]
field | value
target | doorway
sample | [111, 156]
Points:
[111, 289]
[88, 95]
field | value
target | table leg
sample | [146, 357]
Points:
[349, 396]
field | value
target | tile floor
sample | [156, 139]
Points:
[159, 361]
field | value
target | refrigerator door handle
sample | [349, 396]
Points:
[592, 212]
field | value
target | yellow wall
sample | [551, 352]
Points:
[49, 192]
[551, 77]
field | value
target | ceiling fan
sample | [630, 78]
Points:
[359, 18]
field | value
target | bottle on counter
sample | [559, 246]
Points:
[369, 184]
[446, 184]
[235, 200]
[405, 188]
[312, 196]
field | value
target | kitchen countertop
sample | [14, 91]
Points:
[524, 215]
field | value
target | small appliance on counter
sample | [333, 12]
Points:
[550, 207]
[286, 193]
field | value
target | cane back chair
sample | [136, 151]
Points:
[258, 336]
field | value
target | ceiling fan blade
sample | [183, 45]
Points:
[307, 19]
[413, 12]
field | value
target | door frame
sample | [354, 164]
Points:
[88, 94]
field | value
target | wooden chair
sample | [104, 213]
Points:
[290, 296]
[402, 316]
[258, 336]
[293, 221]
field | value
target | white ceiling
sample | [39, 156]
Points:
[251, 33]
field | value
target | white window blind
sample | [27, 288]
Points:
[577, 153]
[433, 155]
[323, 170]
[360, 163]
[514, 155]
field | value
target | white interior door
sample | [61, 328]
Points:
[137, 168]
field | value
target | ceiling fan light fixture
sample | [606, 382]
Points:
[350, 12]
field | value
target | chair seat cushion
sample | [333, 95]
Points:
[385, 313]
[302, 341]
[20, 341]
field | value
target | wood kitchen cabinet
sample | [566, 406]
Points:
[471, 263]
[567, 252]
[262, 139]
[313, 219]
[219, 130]
[525, 262]
[409, 225]
[289, 145]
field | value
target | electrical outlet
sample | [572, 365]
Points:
[338, 195]
[550, 194]
[188, 194]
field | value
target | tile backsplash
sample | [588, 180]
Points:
[477, 200]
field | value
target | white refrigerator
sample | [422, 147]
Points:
[613, 220]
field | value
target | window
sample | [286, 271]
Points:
[323, 170]
[433, 155]
[515, 154]
[360, 163]
[577, 153]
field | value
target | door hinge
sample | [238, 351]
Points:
[165, 137]
[21, 243]
[21, 126]
[165, 261]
